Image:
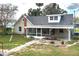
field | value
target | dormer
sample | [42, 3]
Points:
[54, 18]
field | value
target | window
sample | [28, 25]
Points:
[20, 29]
[23, 19]
[55, 17]
[61, 31]
[51, 17]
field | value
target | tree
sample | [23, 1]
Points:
[39, 5]
[76, 20]
[7, 11]
[53, 8]
[34, 12]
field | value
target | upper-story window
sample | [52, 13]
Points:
[23, 19]
[53, 17]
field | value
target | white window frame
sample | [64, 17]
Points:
[54, 20]
[55, 16]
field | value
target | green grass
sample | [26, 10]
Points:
[16, 41]
[48, 50]
[76, 30]
[75, 47]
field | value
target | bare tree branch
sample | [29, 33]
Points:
[6, 13]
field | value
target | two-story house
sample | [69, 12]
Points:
[58, 25]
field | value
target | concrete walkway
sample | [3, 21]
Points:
[20, 47]
[16, 49]
[72, 44]
[11, 38]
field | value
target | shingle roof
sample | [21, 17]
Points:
[76, 25]
[66, 19]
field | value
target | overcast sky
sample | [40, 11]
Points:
[24, 5]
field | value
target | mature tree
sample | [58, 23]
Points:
[39, 4]
[34, 12]
[53, 8]
[7, 11]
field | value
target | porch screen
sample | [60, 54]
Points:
[45, 32]
[31, 31]
[38, 32]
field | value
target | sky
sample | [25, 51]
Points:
[24, 5]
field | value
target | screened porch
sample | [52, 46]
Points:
[48, 32]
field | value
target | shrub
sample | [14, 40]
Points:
[75, 38]
[62, 42]
[52, 42]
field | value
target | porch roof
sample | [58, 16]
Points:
[52, 26]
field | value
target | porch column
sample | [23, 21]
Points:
[69, 35]
[27, 31]
[41, 32]
[49, 31]
[36, 31]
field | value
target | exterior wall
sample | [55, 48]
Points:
[20, 23]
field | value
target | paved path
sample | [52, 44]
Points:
[20, 47]
[11, 38]
[72, 44]
[28, 44]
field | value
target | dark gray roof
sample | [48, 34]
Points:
[76, 25]
[66, 19]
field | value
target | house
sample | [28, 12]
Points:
[58, 25]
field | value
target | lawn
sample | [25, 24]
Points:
[16, 41]
[48, 50]
[76, 30]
